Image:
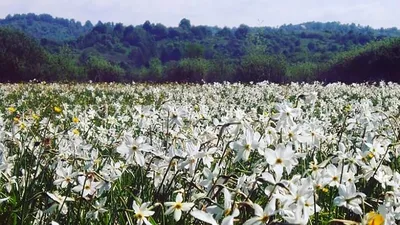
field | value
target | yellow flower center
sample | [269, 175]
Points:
[139, 216]
[279, 161]
[178, 205]
[265, 219]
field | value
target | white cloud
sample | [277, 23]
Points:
[211, 12]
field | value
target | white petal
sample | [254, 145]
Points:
[135, 207]
[251, 221]
[169, 210]
[178, 197]
[139, 158]
[227, 220]
[147, 213]
[339, 201]
[187, 206]
[3, 199]
[177, 215]
[258, 210]
[146, 221]
[203, 216]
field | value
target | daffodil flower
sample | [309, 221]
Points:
[142, 212]
[178, 206]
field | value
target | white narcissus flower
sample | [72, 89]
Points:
[333, 174]
[297, 216]
[132, 149]
[176, 115]
[280, 158]
[246, 145]
[65, 176]
[192, 157]
[261, 216]
[230, 219]
[60, 202]
[87, 185]
[376, 148]
[203, 216]
[99, 208]
[227, 210]
[142, 212]
[209, 177]
[178, 206]
[349, 198]
[286, 115]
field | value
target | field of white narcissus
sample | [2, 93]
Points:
[199, 154]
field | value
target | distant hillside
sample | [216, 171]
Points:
[187, 53]
[309, 42]
[375, 62]
[45, 26]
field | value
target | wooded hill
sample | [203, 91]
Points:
[57, 49]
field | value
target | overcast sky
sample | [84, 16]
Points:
[384, 13]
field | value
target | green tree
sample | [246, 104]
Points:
[257, 67]
[21, 58]
[242, 31]
[155, 69]
[63, 66]
[194, 50]
[188, 70]
[101, 70]
[185, 24]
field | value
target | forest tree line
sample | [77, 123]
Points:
[54, 49]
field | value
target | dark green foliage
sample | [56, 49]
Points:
[155, 71]
[188, 70]
[185, 24]
[303, 71]
[62, 66]
[188, 53]
[45, 26]
[100, 70]
[375, 62]
[21, 57]
[194, 50]
[257, 67]
[242, 31]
